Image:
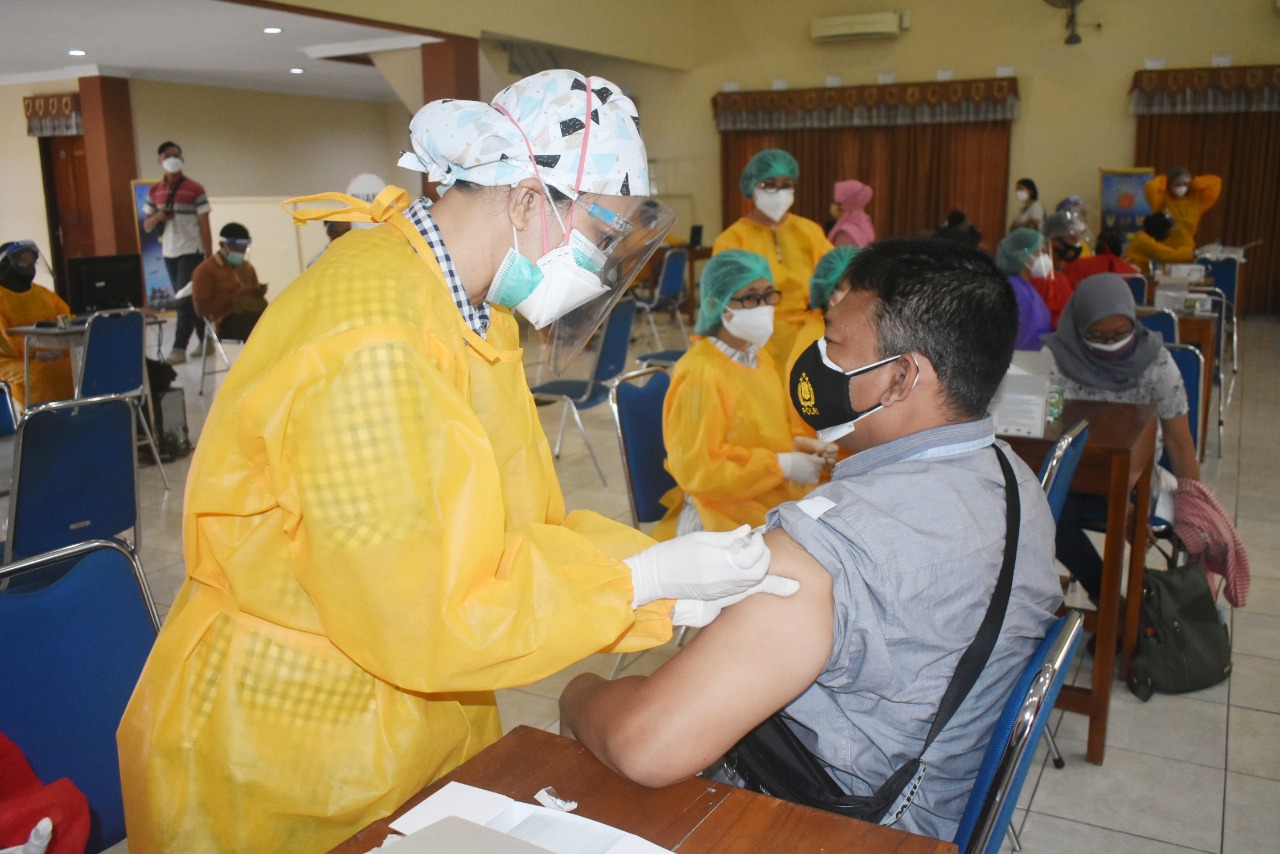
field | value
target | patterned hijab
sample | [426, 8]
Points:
[1096, 297]
[539, 121]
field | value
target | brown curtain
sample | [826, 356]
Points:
[919, 172]
[1241, 148]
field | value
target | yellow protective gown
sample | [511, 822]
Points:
[1186, 211]
[724, 425]
[50, 380]
[1143, 249]
[793, 249]
[375, 540]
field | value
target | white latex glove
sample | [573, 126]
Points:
[810, 445]
[37, 842]
[703, 566]
[696, 614]
[802, 468]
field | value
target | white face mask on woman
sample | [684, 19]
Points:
[1042, 267]
[1022, 195]
[773, 203]
[750, 324]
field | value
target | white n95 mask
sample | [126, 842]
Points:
[172, 165]
[750, 324]
[773, 203]
[565, 285]
[1042, 267]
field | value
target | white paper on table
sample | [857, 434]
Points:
[559, 832]
[1018, 407]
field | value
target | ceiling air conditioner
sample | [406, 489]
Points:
[871, 25]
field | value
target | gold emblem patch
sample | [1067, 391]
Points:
[804, 390]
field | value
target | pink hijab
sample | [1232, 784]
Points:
[855, 223]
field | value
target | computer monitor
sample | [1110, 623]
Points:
[104, 282]
[695, 237]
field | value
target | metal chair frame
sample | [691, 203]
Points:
[211, 335]
[614, 385]
[674, 269]
[1157, 321]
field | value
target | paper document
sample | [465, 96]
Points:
[551, 830]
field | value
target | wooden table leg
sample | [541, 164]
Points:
[1137, 568]
[1108, 610]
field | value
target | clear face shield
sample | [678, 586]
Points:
[626, 230]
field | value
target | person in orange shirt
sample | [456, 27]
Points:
[225, 289]
[1185, 197]
[23, 303]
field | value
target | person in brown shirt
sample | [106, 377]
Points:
[225, 287]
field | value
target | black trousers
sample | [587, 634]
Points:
[180, 270]
[1074, 548]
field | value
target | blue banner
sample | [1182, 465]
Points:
[1123, 204]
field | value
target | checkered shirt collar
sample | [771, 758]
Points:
[476, 318]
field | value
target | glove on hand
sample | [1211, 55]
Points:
[801, 468]
[702, 566]
[696, 614]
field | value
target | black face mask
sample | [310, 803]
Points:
[1068, 252]
[15, 278]
[820, 390]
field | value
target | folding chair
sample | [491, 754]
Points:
[1138, 284]
[1225, 273]
[585, 394]
[74, 476]
[1222, 309]
[1009, 754]
[211, 336]
[8, 426]
[669, 294]
[114, 364]
[1190, 362]
[75, 640]
[637, 417]
[1162, 321]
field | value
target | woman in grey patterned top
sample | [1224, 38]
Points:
[1101, 352]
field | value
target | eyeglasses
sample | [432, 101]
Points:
[773, 185]
[755, 300]
[1107, 338]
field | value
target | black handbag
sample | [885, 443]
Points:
[772, 760]
[1182, 643]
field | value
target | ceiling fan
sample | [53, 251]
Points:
[1073, 37]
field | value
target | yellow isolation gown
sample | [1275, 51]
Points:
[375, 541]
[724, 425]
[1143, 249]
[50, 380]
[793, 249]
[1186, 211]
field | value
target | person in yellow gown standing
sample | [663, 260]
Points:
[724, 420]
[23, 303]
[792, 244]
[1185, 197]
[374, 535]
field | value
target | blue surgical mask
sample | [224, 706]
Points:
[516, 279]
[235, 259]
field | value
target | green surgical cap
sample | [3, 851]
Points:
[725, 274]
[1016, 249]
[827, 274]
[769, 163]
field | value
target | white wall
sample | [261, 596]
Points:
[22, 210]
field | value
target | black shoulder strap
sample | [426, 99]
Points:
[173, 196]
[976, 656]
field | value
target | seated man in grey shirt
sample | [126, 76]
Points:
[897, 557]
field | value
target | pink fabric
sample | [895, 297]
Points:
[855, 223]
[1204, 527]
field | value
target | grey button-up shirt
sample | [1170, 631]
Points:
[913, 535]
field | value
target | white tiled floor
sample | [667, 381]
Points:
[1197, 772]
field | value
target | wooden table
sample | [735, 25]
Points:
[1201, 332]
[695, 815]
[1117, 461]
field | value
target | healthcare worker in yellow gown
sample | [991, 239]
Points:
[375, 539]
[1185, 197]
[724, 421]
[827, 287]
[792, 244]
[23, 303]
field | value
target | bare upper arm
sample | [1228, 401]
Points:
[754, 659]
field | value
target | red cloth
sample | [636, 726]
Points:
[1104, 262]
[1202, 524]
[24, 800]
[1055, 291]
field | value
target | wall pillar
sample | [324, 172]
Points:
[112, 160]
[451, 69]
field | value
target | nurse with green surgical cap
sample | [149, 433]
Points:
[729, 441]
[1023, 255]
[792, 244]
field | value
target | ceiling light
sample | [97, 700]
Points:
[272, 31]
[75, 53]
[295, 70]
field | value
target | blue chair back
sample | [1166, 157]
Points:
[1013, 742]
[113, 360]
[671, 280]
[1059, 466]
[1163, 322]
[74, 475]
[1137, 284]
[8, 414]
[615, 341]
[637, 415]
[1190, 362]
[1226, 275]
[74, 649]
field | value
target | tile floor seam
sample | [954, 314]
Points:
[1103, 827]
